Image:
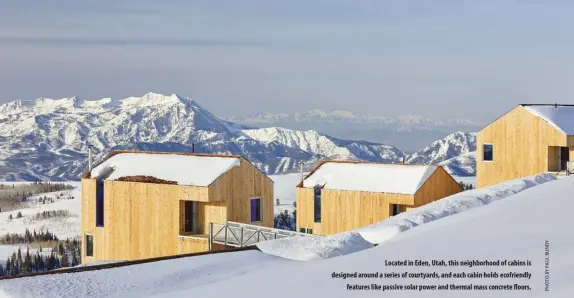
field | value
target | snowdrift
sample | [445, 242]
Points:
[307, 248]
[316, 247]
[387, 229]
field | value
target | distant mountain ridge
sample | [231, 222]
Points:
[408, 132]
[403, 122]
[47, 138]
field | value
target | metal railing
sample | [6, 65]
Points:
[237, 234]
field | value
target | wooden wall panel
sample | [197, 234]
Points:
[196, 244]
[304, 199]
[553, 158]
[439, 185]
[521, 142]
[140, 220]
[238, 186]
[88, 213]
[343, 210]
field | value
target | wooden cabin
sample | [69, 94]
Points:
[528, 140]
[338, 196]
[138, 205]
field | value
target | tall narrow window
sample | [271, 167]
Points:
[317, 204]
[487, 152]
[89, 246]
[99, 203]
[256, 210]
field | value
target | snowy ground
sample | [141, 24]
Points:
[66, 227]
[514, 225]
[62, 227]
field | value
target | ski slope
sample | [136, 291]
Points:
[513, 228]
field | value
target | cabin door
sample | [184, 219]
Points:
[563, 158]
[190, 217]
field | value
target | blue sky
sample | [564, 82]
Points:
[469, 59]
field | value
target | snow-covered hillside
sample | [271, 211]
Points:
[63, 218]
[516, 228]
[453, 145]
[462, 165]
[47, 139]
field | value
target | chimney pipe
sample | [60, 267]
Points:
[192, 147]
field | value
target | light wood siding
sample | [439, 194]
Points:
[88, 214]
[242, 184]
[521, 144]
[343, 210]
[304, 199]
[144, 220]
[195, 244]
[439, 185]
[553, 158]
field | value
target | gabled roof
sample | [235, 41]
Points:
[558, 116]
[371, 177]
[181, 168]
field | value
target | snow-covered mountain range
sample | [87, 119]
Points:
[48, 138]
[408, 132]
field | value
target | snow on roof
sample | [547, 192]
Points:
[559, 116]
[195, 170]
[372, 177]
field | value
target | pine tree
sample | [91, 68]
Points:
[27, 265]
[64, 261]
[19, 215]
[75, 261]
[61, 250]
[8, 266]
[19, 257]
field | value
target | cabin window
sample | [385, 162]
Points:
[487, 152]
[89, 246]
[396, 209]
[317, 204]
[256, 211]
[99, 203]
[306, 230]
[190, 216]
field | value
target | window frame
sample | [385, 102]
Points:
[305, 230]
[491, 152]
[317, 196]
[398, 208]
[86, 250]
[260, 209]
[100, 204]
